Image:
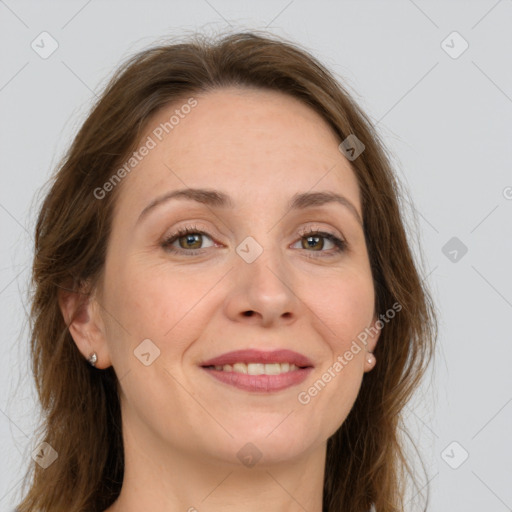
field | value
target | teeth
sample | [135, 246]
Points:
[239, 367]
[258, 368]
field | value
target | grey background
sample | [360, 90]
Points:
[446, 120]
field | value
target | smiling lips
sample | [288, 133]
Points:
[254, 370]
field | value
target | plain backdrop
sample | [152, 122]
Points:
[434, 77]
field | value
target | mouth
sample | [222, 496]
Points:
[257, 368]
[258, 371]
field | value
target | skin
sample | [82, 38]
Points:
[182, 428]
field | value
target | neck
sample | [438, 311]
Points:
[170, 479]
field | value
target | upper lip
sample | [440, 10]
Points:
[259, 356]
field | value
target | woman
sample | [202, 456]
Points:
[227, 314]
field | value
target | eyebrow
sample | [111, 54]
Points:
[217, 199]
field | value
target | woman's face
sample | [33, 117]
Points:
[250, 275]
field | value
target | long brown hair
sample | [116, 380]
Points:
[366, 461]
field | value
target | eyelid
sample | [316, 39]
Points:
[194, 226]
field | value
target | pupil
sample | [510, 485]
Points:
[310, 239]
[190, 239]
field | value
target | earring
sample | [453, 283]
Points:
[93, 358]
[370, 358]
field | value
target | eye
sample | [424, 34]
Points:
[189, 239]
[314, 239]
[190, 242]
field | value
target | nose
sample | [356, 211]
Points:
[262, 292]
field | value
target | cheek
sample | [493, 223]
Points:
[345, 304]
[153, 303]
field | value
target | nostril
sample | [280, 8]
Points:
[248, 313]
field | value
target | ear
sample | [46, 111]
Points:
[81, 312]
[373, 330]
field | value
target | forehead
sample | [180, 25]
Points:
[240, 140]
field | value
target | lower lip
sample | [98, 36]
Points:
[260, 383]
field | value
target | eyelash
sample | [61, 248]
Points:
[340, 245]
